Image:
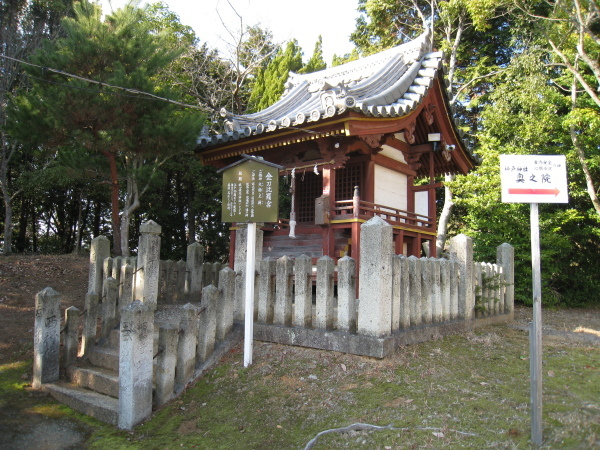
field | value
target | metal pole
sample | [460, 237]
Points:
[535, 331]
[249, 305]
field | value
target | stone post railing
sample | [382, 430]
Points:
[194, 263]
[505, 257]
[461, 248]
[375, 288]
[99, 251]
[303, 295]
[239, 266]
[148, 264]
[324, 308]
[347, 294]
[46, 338]
[135, 364]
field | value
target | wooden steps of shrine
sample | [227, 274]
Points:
[278, 245]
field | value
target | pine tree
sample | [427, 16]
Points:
[316, 61]
[133, 134]
[269, 84]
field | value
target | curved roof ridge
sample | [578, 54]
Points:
[359, 69]
[387, 84]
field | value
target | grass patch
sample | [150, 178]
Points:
[467, 391]
[462, 391]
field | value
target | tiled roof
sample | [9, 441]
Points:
[388, 84]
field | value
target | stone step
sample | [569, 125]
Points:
[102, 407]
[114, 338]
[98, 379]
[105, 357]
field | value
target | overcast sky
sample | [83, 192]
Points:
[303, 20]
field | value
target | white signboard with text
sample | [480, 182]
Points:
[534, 179]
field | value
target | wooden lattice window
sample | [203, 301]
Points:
[345, 180]
[308, 187]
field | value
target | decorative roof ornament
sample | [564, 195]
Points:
[391, 84]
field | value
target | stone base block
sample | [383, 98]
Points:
[101, 380]
[102, 407]
[105, 357]
[355, 344]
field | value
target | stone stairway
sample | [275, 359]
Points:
[93, 384]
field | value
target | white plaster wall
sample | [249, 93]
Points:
[390, 188]
[422, 203]
[392, 153]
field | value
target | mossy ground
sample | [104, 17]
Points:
[470, 390]
[467, 391]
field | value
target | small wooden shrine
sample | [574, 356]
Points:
[361, 139]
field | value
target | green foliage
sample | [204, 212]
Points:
[386, 23]
[186, 202]
[269, 83]
[130, 48]
[316, 61]
[343, 59]
[525, 116]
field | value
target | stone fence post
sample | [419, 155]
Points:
[303, 292]
[283, 291]
[414, 276]
[375, 289]
[46, 338]
[461, 248]
[226, 300]
[90, 323]
[239, 266]
[324, 306]
[135, 364]
[166, 362]
[266, 290]
[505, 257]
[401, 293]
[346, 294]
[186, 348]
[99, 251]
[71, 336]
[148, 264]
[207, 329]
[193, 280]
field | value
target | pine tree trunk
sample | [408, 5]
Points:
[114, 202]
[78, 226]
[8, 224]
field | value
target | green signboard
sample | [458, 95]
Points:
[250, 191]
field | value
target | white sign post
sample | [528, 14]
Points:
[249, 301]
[534, 179]
[250, 195]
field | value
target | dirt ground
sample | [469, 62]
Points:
[22, 276]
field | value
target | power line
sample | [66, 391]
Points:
[99, 83]
[95, 91]
[130, 90]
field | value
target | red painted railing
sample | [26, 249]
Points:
[356, 208]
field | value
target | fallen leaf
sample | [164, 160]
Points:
[438, 434]
[550, 373]
[344, 367]
[410, 400]
[483, 383]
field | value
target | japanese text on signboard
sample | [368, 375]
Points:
[250, 192]
[533, 178]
